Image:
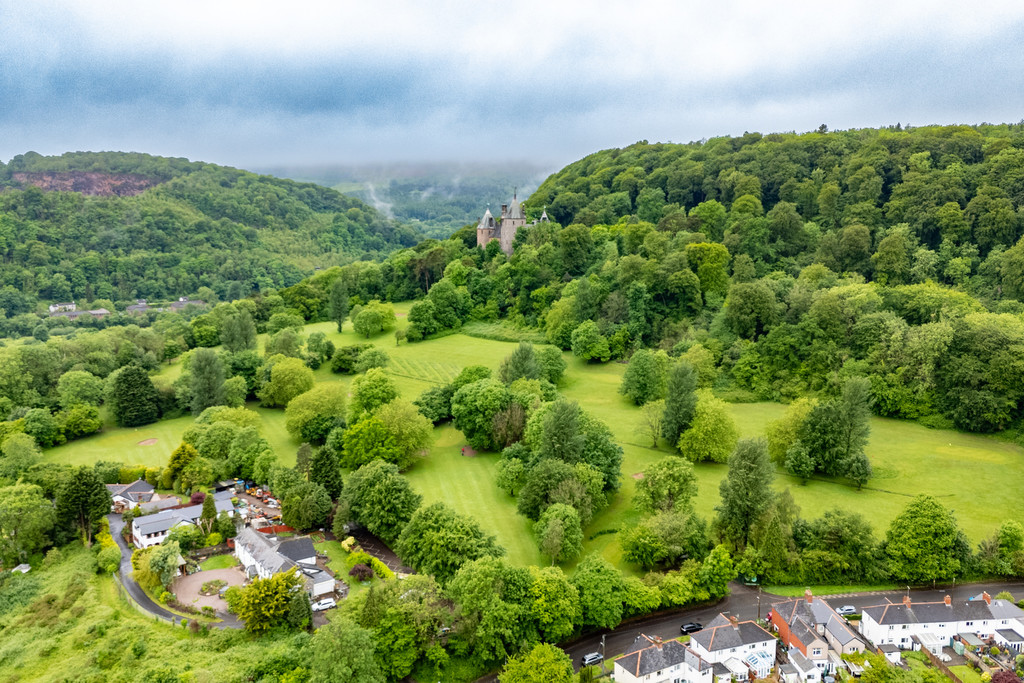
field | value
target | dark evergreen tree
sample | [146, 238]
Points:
[324, 469]
[82, 500]
[562, 438]
[520, 363]
[134, 398]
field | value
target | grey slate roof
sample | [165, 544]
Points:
[940, 612]
[1010, 635]
[139, 490]
[646, 656]
[296, 549]
[721, 634]
[800, 662]
[161, 504]
[263, 551]
[162, 521]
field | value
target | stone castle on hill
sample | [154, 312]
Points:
[504, 229]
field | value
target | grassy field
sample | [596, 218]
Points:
[797, 591]
[218, 562]
[968, 473]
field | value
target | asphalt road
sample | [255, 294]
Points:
[748, 603]
[139, 595]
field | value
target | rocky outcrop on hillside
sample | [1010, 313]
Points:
[88, 182]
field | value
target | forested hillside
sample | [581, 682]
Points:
[785, 264]
[196, 225]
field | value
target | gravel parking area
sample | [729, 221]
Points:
[187, 587]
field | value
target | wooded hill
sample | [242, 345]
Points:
[782, 265]
[156, 228]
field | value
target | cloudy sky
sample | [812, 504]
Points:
[306, 82]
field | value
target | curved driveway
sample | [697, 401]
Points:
[139, 595]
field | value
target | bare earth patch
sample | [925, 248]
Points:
[468, 452]
[147, 442]
[638, 475]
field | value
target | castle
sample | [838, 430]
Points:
[503, 229]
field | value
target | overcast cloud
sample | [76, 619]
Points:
[259, 83]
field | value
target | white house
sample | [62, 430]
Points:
[898, 623]
[263, 556]
[651, 660]
[153, 529]
[726, 639]
[799, 669]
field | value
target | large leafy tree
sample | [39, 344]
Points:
[667, 485]
[924, 543]
[559, 533]
[306, 507]
[712, 433]
[238, 332]
[288, 378]
[312, 415]
[26, 520]
[206, 383]
[554, 603]
[79, 386]
[371, 391]
[265, 603]
[746, 491]
[368, 440]
[342, 650]
[474, 407]
[411, 432]
[543, 664]
[438, 540]
[644, 380]
[325, 469]
[380, 498]
[680, 401]
[82, 500]
[602, 592]
[490, 595]
[338, 302]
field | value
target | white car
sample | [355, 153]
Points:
[326, 603]
[846, 610]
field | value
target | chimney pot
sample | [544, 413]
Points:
[808, 597]
[948, 600]
[734, 621]
[906, 600]
[986, 597]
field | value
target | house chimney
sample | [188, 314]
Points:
[657, 642]
[986, 597]
[906, 600]
[808, 597]
[948, 600]
[734, 621]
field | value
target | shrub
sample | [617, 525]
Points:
[357, 558]
[361, 572]
[109, 559]
[381, 569]
[208, 611]
[166, 597]
[348, 544]
[994, 651]
[214, 539]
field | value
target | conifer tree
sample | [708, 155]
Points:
[337, 302]
[680, 401]
[134, 398]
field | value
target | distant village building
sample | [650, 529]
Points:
[141, 306]
[65, 307]
[504, 229]
[73, 314]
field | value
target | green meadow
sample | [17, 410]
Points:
[968, 473]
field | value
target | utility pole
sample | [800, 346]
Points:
[602, 652]
[759, 602]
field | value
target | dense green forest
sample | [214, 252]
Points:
[436, 199]
[198, 225]
[789, 263]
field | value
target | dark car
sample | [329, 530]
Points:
[690, 627]
[592, 659]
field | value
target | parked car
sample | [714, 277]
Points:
[690, 627]
[326, 603]
[846, 610]
[592, 659]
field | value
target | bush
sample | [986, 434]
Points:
[214, 539]
[208, 611]
[348, 544]
[381, 569]
[357, 558]
[166, 597]
[109, 559]
[361, 573]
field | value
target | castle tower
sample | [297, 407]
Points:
[512, 218]
[486, 229]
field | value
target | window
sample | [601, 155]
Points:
[816, 652]
[890, 627]
[753, 645]
[1004, 622]
[970, 623]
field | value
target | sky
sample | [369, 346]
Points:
[253, 83]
